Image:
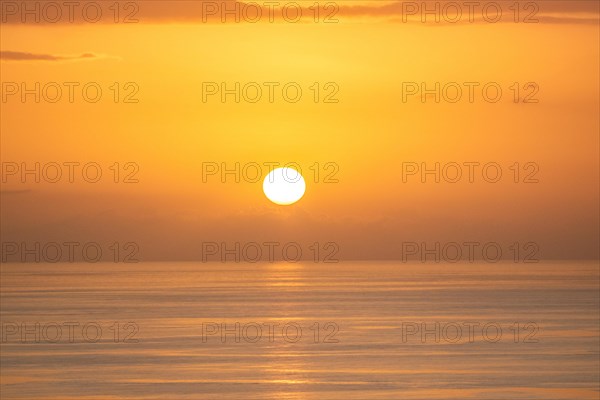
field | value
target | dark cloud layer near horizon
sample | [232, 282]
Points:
[164, 233]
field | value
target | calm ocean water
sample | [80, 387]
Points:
[360, 330]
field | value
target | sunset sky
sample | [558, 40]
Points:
[368, 134]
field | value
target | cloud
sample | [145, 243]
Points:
[548, 11]
[23, 56]
[205, 11]
[9, 191]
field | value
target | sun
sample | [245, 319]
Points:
[284, 186]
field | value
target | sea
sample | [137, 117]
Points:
[301, 331]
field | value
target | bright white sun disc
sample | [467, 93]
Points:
[284, 186]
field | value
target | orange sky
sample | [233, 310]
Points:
[170, 132]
